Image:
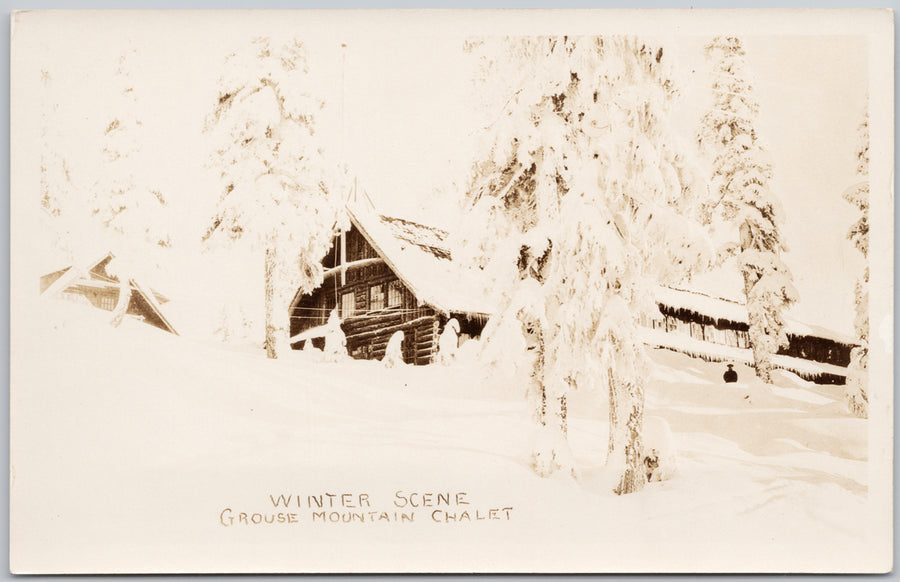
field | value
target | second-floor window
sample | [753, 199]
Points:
[376, 297]
[348, 304]
[108, 302]
[393, 295]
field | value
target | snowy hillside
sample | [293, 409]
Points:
[149, 437]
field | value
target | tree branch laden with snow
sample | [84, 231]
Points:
[585, 197]
[276, 195]
[120, 212]
[742, 197]
[856, 391]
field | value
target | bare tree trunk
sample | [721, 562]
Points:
[762, 359]
[626, 403]
[121, 308]
[856, 389]
[551, 451]
[613, 417]
[272, 340]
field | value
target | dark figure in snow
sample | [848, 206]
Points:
[730, 375]
[651, 463]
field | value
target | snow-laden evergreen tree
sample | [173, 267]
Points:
[742, 197]
[276, 195]
[60, 197]
[335, 340]
[586, 198]
[134, 216]
[119, 212]
[393, 352]
[856, 391]
[448, 342]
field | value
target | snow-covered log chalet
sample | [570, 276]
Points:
[92, 285]
[385, 275]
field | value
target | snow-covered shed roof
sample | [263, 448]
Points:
[718, 308]
[95, 272]
[419, 256]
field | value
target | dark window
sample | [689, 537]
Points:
[376, 297]
[394, 296]
[348, 304]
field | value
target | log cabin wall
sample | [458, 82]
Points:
[817, 349]
[699, 326]
[367, 336]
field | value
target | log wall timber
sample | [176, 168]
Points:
[367, 336]
[817, 349]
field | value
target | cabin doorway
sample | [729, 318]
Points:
[409, 346]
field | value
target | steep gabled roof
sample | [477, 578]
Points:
[419, 256]
[96, 271]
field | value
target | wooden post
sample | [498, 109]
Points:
[343, 258]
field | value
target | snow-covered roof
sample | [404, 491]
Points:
[727, 309]
[429, 239]
[83, 275]
[714, 307]
[151, 298]
[419, 256]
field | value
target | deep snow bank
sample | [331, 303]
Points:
[136, 441]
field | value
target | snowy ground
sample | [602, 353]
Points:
[128, 444]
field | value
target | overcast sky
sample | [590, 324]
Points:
[409, 119]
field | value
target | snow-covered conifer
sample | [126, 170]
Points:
[856, 391]
[276, 195]
[57, 189]
[448, 342]
[393, 352]
[118, 211]
[335, 340]
[741, 195]
[132, 216]
[590, 196]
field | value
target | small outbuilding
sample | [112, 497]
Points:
[92, 285]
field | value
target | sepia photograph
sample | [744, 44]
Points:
[436, 291]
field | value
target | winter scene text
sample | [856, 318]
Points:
[436, 507]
